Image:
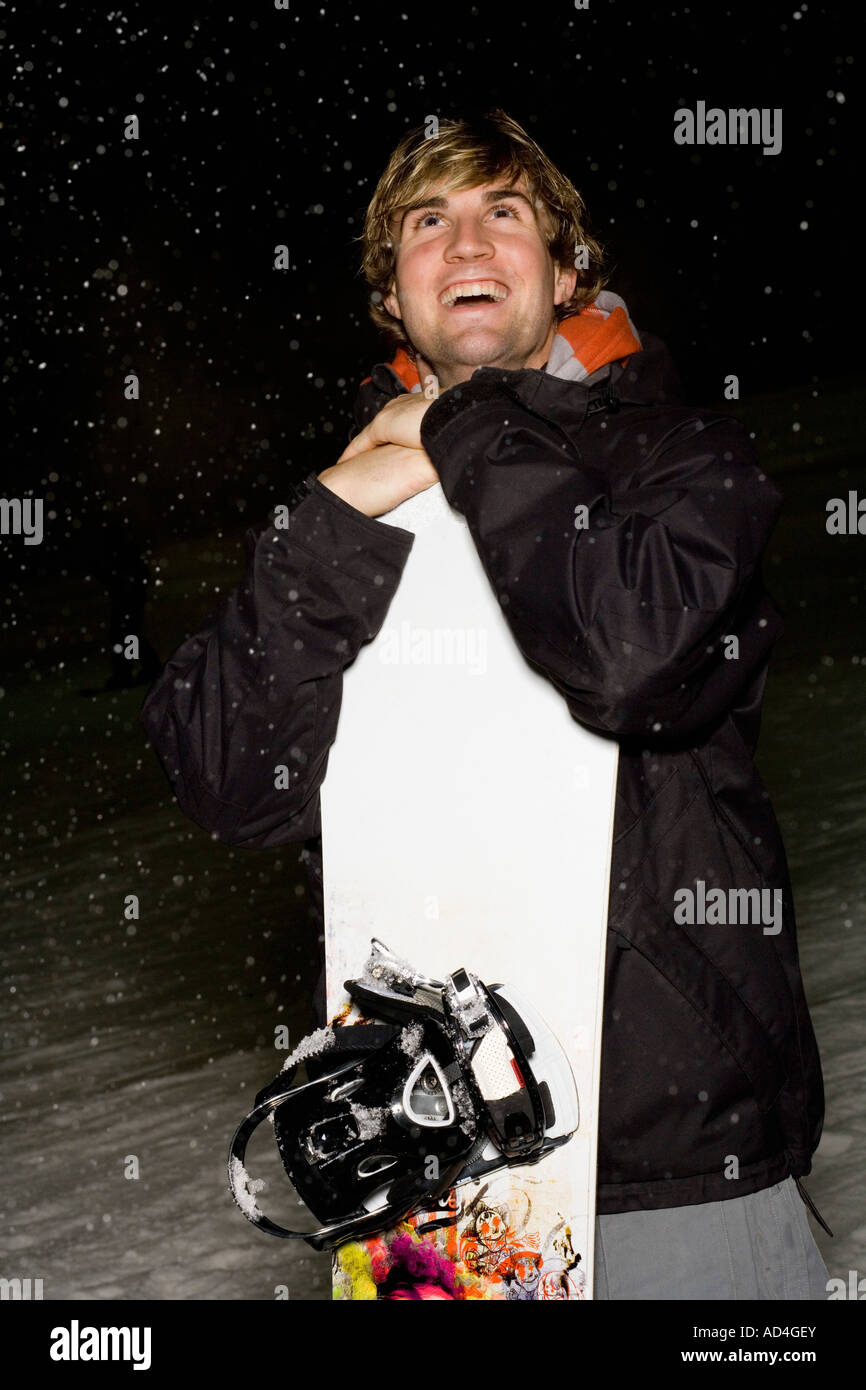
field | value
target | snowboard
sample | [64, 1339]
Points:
[467, 821]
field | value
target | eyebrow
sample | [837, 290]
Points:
[493, 196]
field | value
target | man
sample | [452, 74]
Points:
[651, 621]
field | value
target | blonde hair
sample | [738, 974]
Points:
[464, 154]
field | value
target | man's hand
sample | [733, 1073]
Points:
[384, 464]
[398, 422]
[380, 478]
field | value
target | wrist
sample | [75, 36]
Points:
[329, 478]
[338, 481]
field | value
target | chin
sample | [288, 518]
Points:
[478, 352]
[466, 346]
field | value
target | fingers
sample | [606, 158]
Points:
[390, 426]
[359, 445]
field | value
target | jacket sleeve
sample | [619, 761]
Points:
[260, 686]
[623, 605]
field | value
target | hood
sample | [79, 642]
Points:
[599, 343]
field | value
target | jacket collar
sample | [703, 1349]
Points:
[600, 344]
[584, 344]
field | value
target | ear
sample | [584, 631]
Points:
[392, 304]
[564, 283]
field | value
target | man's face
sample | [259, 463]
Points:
[488, 238]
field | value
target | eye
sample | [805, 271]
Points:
[505, 207]
[422, 218]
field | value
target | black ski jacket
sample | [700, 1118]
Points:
[710, 1078]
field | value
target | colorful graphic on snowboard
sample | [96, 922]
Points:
[485, 1249]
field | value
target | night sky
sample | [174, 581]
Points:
[272, 126]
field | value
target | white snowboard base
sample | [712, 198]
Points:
[467, 821]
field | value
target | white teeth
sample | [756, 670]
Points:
[470, 289]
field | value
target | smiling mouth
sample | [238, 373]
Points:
[472, 294]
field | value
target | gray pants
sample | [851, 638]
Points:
[759, 1246]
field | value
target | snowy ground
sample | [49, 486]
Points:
[152, 1043]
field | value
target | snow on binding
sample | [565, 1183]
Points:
[467, 1074]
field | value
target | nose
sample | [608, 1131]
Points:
[468, 241]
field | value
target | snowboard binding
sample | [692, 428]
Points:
[450, 1080]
